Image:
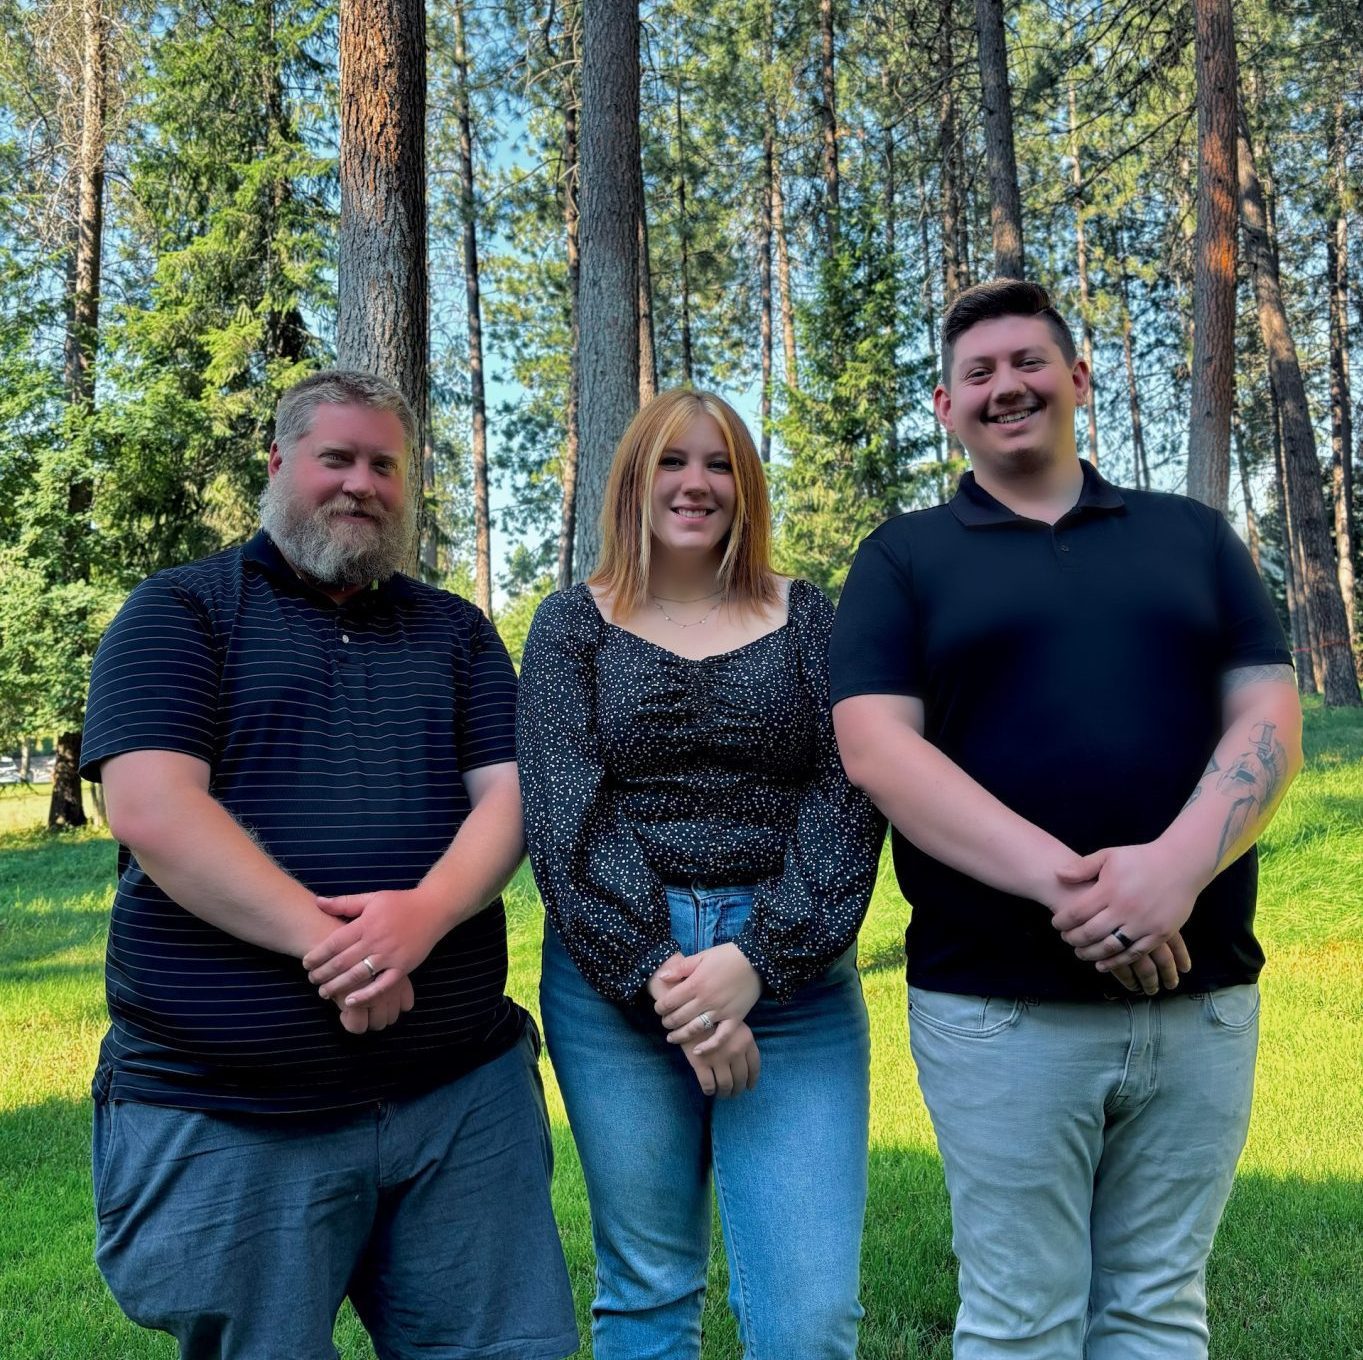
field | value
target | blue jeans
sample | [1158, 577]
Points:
[788, 1158]
[241, 1234]
[1089, 1151]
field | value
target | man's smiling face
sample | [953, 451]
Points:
[1011, 396]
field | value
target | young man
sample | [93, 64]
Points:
[285, 719]
[1076, 707]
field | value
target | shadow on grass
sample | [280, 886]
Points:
[886, 955]
[26, 938]
[1284, 1282]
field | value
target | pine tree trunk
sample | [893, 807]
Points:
[563, 574]
[764, 251]
[1302, 473]
[482, 525]
[684, 241]
[1140, 464]
[1304, 655]
[954, 274]
[1082, 261]
[67, 808]
[609, 199]
[828, 118]
[382, 312]
[1251, 518]
[648, 346]
[1005, 202]
[1341, 401]
[778, 226]
[1213, 384]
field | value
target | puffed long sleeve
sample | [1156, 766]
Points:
[604, 899]
[804, 917]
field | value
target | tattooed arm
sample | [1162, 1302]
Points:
[1148, 891]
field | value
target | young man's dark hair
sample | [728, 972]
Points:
[1001, 297]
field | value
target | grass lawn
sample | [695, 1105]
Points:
[1286, 1279]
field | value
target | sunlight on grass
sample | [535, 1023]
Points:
[1284, 1281]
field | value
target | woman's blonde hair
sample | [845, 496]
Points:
[745, 573]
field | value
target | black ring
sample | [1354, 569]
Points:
[1122, 939]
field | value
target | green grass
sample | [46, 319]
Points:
[1285, 1280]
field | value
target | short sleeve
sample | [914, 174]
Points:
[154, 682]
[606, 902]
[805, 917]
[486, 721]
[873, 649]
[1250, 630]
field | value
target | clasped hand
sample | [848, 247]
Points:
[364, 964]
[1146, 893]
[720, 984]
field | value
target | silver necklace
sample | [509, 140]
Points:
[695, 623]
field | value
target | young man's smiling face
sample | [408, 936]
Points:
[1011, 395]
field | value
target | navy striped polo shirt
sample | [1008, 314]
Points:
[337, 735]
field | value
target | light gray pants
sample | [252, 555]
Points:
[1089, 1152]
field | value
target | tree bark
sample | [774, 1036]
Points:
[778, 227]
[953, 272]
[684, 241]
[609, 308]
[1005, 202]
[1082, 261]
[1341, 401]
[563, 575]
[482, 525]
[382, 311]
[1213, 377]
[648, 347]
[1251, 518]
[1141, 465]
[828, 117]
[66, 807]
[1305, 656]
[1301, 467]
[764, 246]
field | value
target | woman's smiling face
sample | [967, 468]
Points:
[691, 505]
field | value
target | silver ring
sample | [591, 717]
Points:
[373, 972]
[1122, 939]
[704, 1021]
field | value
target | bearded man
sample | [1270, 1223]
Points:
[288, 732]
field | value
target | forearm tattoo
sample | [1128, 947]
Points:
[1252, 781]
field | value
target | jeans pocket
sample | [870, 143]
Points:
[1234, 1008]
[103, 1149]
[963, 1015]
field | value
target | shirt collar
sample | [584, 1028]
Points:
[262, 552]
[974, 506]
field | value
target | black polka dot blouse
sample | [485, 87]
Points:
[641, 768]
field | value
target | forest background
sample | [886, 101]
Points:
[532, 216]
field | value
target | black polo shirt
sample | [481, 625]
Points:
[337, 736]
[1074, 671]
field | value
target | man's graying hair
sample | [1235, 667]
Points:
[337, 387]
[996, 298]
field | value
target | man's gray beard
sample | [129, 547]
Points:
[307, 539]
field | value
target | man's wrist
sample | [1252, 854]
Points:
[1188, 852]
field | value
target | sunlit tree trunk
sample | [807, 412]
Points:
[791, 375]
[563, 575]
[1082, 261]
[1213, 375]
[828, 118]
[648, 346]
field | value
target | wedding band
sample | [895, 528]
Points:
[373, 972]
[1122, 939]
[704, 1021]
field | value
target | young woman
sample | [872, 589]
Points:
[705, 866]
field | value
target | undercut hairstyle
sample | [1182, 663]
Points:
[745, 574]
[338, 387]
[996, 298]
